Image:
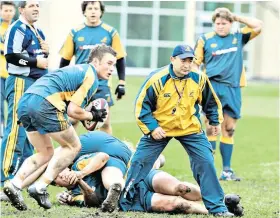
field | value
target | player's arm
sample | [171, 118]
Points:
[199, 53]
[144, 106]
[210, 102]
[120, 90]
[13, 52]
[77, 101]
[121, 54]
[67, 50]
[78, 113]
[95, 163]
[251, 22]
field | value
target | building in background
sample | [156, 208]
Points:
[150, 29]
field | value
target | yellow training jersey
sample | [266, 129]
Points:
[173, 103]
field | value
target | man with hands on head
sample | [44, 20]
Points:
[221, 52]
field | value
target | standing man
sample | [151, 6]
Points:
[7, 12]
[25, 51]
[167, 106]
[82, 39]
[221, 53]
[43, 111]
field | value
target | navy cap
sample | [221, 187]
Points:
[183, 51]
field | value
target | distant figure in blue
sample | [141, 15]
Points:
[167, 106]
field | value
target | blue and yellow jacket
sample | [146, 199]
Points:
[76, 83]
[223, 56]
[159, 104]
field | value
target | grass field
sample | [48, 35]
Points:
[255, 158]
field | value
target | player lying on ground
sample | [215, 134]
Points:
[161, 192]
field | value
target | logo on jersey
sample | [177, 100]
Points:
[33, 43]
[23, 62]
[37, 51]
[167, 95]
[85, 47]
[81, 39]
[224, 51]
[191, 94]
[234, 41]
[104, 40]
[213, 45]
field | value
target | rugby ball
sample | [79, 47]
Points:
[99, 103]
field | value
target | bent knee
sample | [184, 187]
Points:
[230, 132]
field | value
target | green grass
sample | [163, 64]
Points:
[255, 158]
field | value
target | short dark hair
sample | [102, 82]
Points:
[99, 51]
[22, 4]
[7, 3]
[85, 3]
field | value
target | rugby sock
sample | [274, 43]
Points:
[226, 148]
[42, 183]
[16, 182]
[213, 141]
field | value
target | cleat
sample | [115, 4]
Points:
[4, 197]
[224, 214]
[182, 189]
[42, 197]
[15, 196]
[232, 202]
[229, 175]
[111, 202]
[238, 210]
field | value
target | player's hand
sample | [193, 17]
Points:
[72, 177]
[42, 63]
[120, 91]
[64, 198]
[44, 46]
[158, 133]
[215, 130]
[98, 114]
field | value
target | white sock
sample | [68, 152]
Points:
[16, 182]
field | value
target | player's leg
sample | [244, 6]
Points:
[148, 150]
[231, 115]
[204, 172]
[167, 184]
[70, 146]
[44, 148]
[113, 181]
[168, 203]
